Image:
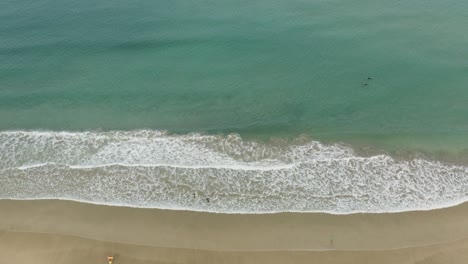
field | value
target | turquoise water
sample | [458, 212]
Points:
[251, 67]
[117, 73]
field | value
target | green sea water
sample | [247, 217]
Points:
[258, 68]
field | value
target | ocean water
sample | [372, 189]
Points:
[258, 106]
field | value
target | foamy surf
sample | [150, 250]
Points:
[224, 174]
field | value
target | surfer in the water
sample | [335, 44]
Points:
[366, 83]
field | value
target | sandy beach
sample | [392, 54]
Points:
[51, 231]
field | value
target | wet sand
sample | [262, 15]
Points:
[70, 232]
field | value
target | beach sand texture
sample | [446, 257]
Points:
[52, 231]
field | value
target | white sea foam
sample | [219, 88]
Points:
[154, 169]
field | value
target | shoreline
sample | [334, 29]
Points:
[63, 231]
[439, 207]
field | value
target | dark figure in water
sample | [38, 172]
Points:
[365, 84]
[207, 200]
[369, 78]
[193, 195]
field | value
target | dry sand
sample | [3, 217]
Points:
[49, 232]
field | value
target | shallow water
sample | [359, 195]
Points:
[226, 174]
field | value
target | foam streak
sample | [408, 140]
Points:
[157, 170]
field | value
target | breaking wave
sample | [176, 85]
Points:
[224, 174]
